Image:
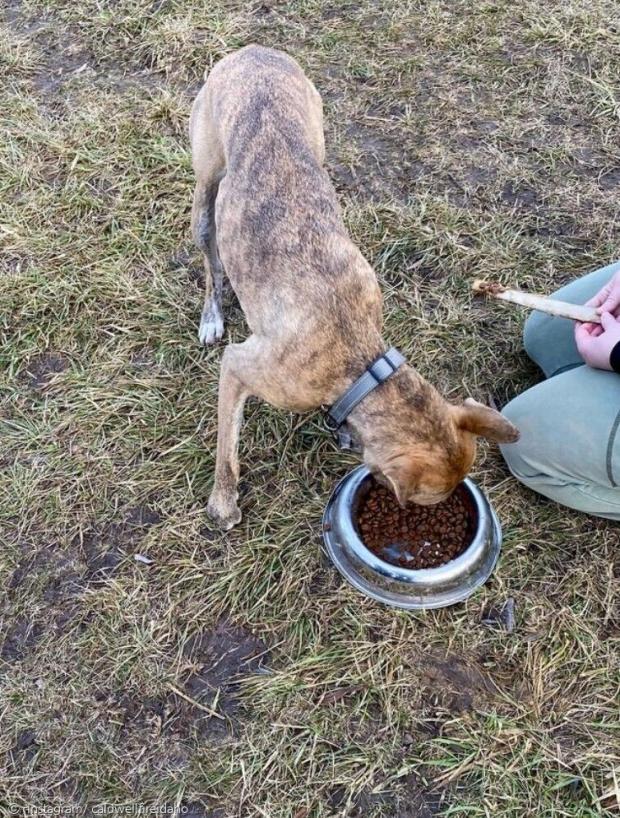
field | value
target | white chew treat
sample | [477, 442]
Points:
[541, 303]
[562, 309]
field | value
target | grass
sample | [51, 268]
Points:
[465, 139]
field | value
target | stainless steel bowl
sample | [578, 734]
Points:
[404, 587]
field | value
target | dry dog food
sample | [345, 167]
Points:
[416, 536]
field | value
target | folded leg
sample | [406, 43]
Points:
[569, 448]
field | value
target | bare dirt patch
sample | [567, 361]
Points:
[20, 638]
[407, 798]
[217, 659]
[105, 547]
[458, 682]
[204, 704]
[24, 749]
[42, 368]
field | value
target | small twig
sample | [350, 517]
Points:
[194, 702]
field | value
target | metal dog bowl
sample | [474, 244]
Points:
[404, 587]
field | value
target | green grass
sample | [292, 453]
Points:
[465, 140]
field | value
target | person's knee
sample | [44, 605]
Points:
[515, 454]
[525, 458]
[536, 334]
[546, 475]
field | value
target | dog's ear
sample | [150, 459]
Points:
[478, 419]
[396, 490]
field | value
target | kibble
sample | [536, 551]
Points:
[416, 536]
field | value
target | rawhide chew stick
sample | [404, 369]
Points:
[562, 309]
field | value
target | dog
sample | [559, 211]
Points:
[266, 213]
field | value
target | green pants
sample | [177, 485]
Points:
[570, 437]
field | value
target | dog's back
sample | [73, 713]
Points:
[262, 100]
[279, 230]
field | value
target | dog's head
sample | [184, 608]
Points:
[425, 467]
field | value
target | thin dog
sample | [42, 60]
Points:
[266, 213]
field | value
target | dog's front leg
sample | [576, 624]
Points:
[222, 506]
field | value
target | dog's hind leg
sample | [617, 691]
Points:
[203, 227]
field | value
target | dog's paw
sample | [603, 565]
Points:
[211, 327]
[224, 515]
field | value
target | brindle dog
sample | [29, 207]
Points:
[265, 208]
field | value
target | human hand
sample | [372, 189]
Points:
[608, 299]
[595, 342]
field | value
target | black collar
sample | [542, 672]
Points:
[376, 373]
